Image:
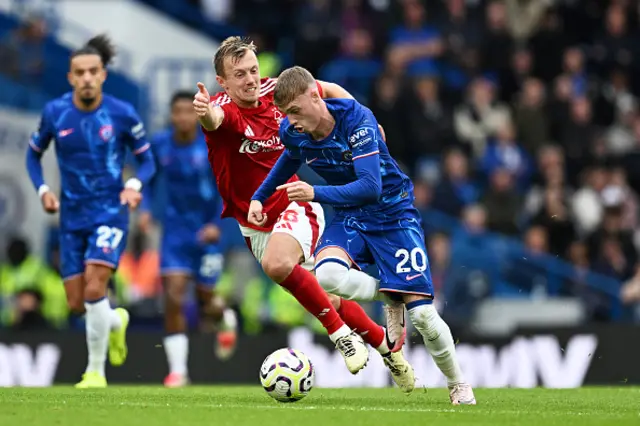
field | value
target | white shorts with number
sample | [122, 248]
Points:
[304, 221]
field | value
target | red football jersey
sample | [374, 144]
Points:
[243, 150]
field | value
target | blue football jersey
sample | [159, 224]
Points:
[90, 149]
[191, 196]
[355, 135]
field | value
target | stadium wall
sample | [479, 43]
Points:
[551, 358]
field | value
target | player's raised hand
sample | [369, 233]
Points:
[209, 233]
[298, 191]
[201, 100]
[50, 202]
[256, 215]
[130, 197]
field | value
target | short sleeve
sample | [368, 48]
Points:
[136, 132]
[231, 120]
[363, 137]
[41, 138]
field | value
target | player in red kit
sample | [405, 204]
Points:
[241, 126]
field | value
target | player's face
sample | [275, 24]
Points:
[87, 75]
[183, 116]
[242, 79]
[305, 112]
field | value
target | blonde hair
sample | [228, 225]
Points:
[232, 47]
[292, 83]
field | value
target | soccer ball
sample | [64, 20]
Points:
[287, 375]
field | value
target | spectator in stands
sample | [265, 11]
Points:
[388, 109]
[504, 152]
[502, 202]
[462, 37]
[28, 311]
[586, 204]
[26, 272]
[414, 45]
[532, 124]
[555, 217]
[357, 67]
[480, 117]
[455, 189]
[614, 47]
[574, 71]
[429, 119]
[22, 54]
[551, 176]
[579, 136]
[497, 41]
[512, 79]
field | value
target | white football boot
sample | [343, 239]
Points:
[354, 351]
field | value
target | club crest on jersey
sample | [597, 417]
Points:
[277, 115]
[106, 132]
[347, 156]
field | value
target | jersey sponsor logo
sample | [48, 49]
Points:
[360, 138]
[254, 147]
[138, 131]
[65, 132]
[106, 132]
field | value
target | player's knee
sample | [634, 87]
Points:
[332, 274]
[174, 297]
[277, 268]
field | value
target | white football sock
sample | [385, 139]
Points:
[438, 340]
[176, 346]
[115, 320]
[337, 278]
[97, 324]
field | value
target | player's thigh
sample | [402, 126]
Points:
[342, 241]
[401, 257]
[298, 230]
[210, 264]
[256, 241]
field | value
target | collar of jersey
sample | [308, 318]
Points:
[256, 110]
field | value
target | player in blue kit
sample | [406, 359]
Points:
[92, 132]
[190, 233]
[375, 221]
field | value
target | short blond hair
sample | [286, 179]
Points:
[292, 83]
[232, 47]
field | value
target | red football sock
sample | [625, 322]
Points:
[357, 319]
[305, 288]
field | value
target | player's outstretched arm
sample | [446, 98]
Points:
[210, 116]
[332, 91]
[285, 167]
[367, 188]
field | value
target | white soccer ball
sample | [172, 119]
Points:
[287, 375]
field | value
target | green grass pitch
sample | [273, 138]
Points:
[240, 406]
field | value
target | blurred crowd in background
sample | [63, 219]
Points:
[517, 119]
